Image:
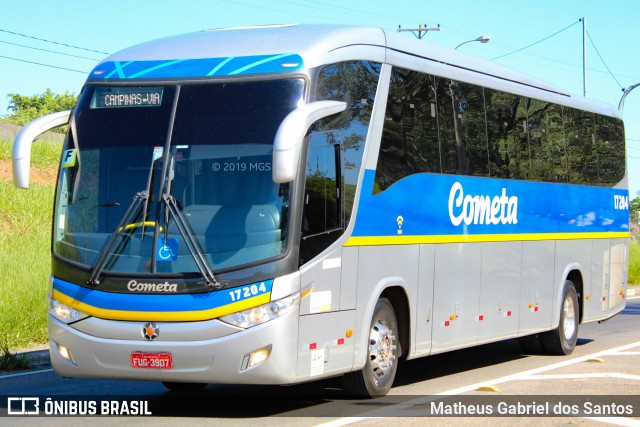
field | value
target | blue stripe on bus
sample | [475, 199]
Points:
[198, 67]
[126, 302]
[450, 205]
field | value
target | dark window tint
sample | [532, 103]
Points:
[556, 142]
[579, 138]
[447, 91]
[438, 125]
[610, 147]
[334, 154]
[471, 130]
[410, 141]
[538, 152]
[507, 133]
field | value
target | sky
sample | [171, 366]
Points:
[54, 45]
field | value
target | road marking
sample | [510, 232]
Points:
[535, 371]
[513, 377]
[619, 421]
[25, 373]
[579, 376]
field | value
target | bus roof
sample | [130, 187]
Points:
[280, 48]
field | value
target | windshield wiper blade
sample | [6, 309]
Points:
[138, 199]
[192, 244]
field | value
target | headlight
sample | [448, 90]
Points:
[64, 313]
[263, 313]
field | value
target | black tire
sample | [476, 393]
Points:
[376, 378]
[184, 387]
[531, 345]
[562, 340]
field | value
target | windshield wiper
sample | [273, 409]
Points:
[126, 219]
[172, 209]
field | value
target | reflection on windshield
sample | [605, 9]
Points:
[218, 172]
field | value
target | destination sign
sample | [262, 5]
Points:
[126, 97]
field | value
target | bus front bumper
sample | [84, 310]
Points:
[223, 360]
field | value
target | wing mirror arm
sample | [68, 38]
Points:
[21, 153]
[288, 141]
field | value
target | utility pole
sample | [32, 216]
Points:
[421, 29]
[584, 56]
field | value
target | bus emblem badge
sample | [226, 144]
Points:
[150, 331]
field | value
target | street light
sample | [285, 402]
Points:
[481, 39]
[625, 92]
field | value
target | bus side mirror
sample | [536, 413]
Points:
[288, 140]
[22, 144]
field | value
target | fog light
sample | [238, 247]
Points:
[255, 358]
[65, 353]
[258, 357]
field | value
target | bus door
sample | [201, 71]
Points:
[324, 346]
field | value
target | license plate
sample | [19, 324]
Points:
[151, 360]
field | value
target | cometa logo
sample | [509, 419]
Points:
[152, 287]
[481, 209]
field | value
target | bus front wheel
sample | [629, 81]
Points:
[376, 378]
[562, 340]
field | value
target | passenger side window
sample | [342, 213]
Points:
[580, 132]
[471, 136]
[410, 135]
[322, 188]
[610, 146]
[334, 153]
[507, 133]
[439, 125]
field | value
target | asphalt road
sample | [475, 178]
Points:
[603, 374]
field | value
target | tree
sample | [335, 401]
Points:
[634, 207]
[27, 108]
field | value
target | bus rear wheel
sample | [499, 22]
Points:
[563, 339]
[376, 378]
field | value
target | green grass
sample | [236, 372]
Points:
[44, 154]
[10, 361]
[25, 260]
[25, 219]
[634, 263]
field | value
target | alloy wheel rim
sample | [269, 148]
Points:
[381, 351]
[569, 318]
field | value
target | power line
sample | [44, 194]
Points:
[533, 44]
[348, 9]
[51, 41]
[601, 59]
[47, 50]
[240, 3]
[44, 65]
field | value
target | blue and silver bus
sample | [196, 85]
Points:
[281, 204]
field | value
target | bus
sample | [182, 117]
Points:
[287, 203]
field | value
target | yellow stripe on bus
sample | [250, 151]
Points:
[165, 316]
[473, 238]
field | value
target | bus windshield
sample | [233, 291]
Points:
[208, 147]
